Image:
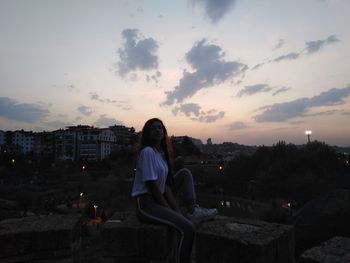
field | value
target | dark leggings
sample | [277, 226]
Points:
[149, 211]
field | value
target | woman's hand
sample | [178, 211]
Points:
[153, 187]
[171, 199]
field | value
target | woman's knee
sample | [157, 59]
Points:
[183, 173]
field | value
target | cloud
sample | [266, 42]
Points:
[259, 88]
[258, 66]
[314, 46]
[238, 125]
[123, 104]
[26, 112]
[154, 77]
[195, 112]
[211, 116]
[215, 9]
[289, 56]
[250, 90]
[311, 47]
[283, 111]
[85, 110]
[104, 121]
[95, 96]
[188, 109]
[280, 90]
[280, 44]
[210, 69]
[137, 53]
[331, 97]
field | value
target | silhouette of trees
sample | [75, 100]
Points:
[185, 148]
[284, 170]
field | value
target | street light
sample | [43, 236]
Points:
[80, 204]
[308, 134]
[95, 207]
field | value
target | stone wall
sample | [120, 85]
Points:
[126, 240]
[41, 239]
[222, 240]
[335, 250]
[123, 239]
[229, 239]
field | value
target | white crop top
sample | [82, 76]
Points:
[150, 166]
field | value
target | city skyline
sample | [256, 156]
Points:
[253, 72]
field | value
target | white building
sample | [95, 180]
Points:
[23, 139]
[95, 144]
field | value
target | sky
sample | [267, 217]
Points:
[253, 72]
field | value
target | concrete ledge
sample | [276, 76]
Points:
[127, 240]
[228, 239]
[39, 238]
[335, 250]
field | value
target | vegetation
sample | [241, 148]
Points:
[286, 171]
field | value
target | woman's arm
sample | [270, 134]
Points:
[171, 199]
[153, 187]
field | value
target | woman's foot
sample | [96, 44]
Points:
[200, 214]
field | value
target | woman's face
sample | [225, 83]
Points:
[157, 132]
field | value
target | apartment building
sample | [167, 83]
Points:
[24, 140]
[95, 144]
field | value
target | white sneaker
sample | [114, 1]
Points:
[202, 214]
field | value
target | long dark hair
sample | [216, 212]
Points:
[146, 140]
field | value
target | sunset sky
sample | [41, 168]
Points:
[252, 72]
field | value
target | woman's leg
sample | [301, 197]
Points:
[183, 184]
[184, 187]
[154, 213]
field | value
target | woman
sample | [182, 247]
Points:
[155, 200]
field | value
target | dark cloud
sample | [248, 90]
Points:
[280, 90]
[250, 90]
[85, 110]
[283, 111]
[314, 46]
[216, 9]
[238, 125]
[331, 97]
[195, 112]
[280, 44]
[137, 53]
[289, 56]
[297, 108]
[26, 112]
[104, 121]
[210, 69]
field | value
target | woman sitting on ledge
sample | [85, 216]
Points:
[153, 185]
